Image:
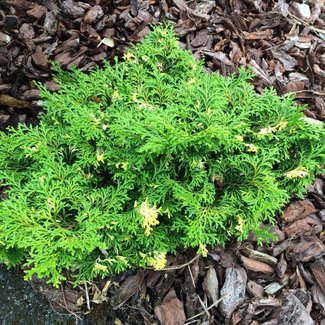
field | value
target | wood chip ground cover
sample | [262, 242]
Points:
[283, 42]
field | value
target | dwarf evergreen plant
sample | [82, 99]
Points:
[143, 157]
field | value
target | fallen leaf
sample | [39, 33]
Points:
[171, 311]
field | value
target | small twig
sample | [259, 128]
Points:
[63, 296]
[204, 307]
[302, 22]
[66, 305]
[211, 306]
[55, 310]
[177, 267]
[69, 311]
[192, 278]
[140, 309]
[200, 300]
[87, 296]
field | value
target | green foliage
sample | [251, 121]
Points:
[140, 158]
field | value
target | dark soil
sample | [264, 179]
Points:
[283, 42]
[19, 304]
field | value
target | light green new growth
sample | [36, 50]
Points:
[140, 158]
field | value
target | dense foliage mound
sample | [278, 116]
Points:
[140, 158]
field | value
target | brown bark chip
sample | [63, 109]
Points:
[305, 249]
[233, 290]
[39, 58]
[293, 312]
[37, 12]
[93, 15]
[256, 266]
[171, 311]
[310, 224]
[318, 270]
[298, 210]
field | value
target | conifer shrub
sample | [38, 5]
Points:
[140, 158]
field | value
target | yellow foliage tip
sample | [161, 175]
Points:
[297, 172]
[150, 216]
[159, 261]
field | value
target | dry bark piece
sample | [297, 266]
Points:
[318, 271]
[171, 311]
[262, 304]
[72, 9]
[10, 101]
[304, 297]
[204, 7]
[294, 86]
[32, 94]
[221, 56]
[256, 266]
[305, 249]
[39, 58]
[107, 33]
[201, 38]
[5, 88]
[37, 12]
[302, 10]
[273, 288]
[65, 58]
[293, 312]
[50, 23]
[128, 288]
[70, 44]
[322, 214]
[141, 34]
[318, 296]
[182, 6]
[281, 268]
[236, 53]
[259, 71]
[253, 36]
[85, 28]
[259, 256]
[255, 289]
[287, 61]
[224, 258]
[306, 274]
[26, 32]
[308, 224]
[298, 210]
[211, 285]
[233, 290]
[93, 15]
[4, 118]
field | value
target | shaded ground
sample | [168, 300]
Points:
[20, 305]
[283, 42]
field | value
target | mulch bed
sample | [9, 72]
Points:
[283, 42]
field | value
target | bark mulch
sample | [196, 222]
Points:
[283, 42]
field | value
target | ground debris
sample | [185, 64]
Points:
[171, 312]
[233, 290]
